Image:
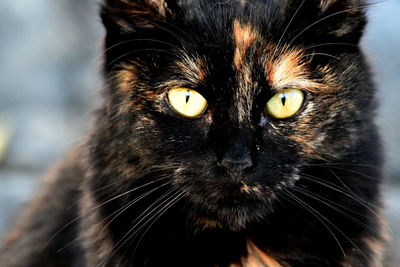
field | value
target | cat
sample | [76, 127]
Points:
[232, 133]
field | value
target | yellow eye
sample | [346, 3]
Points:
[187, 102]
[285, 103]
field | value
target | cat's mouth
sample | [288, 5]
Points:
[233, 211]
[236, 205]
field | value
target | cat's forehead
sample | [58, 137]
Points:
[248, 57]
[225, 9]
[242, 37]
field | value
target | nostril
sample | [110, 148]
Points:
[236, 164]
[235, 150]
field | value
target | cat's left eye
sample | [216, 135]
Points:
[187, 102]
[285, 103]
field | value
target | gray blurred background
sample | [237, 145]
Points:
[49, 83]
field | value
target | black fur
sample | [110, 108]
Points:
[158, 189]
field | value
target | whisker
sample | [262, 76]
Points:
[326, 202]
[127, 206]
[94, 192]
[321, 54]
[335, 188]
[315, 214]
[247, 2]
[99, 56]
[92, 209]
[190, 211]
[327, 17]
[172, 193]
[383, 221]
[157, 203]
[69, 244]
[139, 50]
[365, 204]
[340, 164]
[160, 213]
[179, 38]
[220, 4]
[332, 224]
[356, 172]
[128, 234]
[287, 27]
[58, 232]
[342, 183]
[128, 192]
[328, 44]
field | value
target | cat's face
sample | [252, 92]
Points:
[229, 101]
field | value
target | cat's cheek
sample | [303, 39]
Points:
[181, 141]
[306, 131]
[329, 134]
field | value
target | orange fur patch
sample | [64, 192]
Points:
[306, 144]
[290, 70]
[13, 236]
[244, 37]
[251, 189]
[126, 78]
[258, 258]
[376, 246]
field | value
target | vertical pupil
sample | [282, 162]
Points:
[283, 98]
[187, 96]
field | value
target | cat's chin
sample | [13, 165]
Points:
[232, 213]
[236, 206]
[234, 219]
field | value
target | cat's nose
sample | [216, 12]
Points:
[237, 162]
[235, 151]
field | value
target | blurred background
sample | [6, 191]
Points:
[50, 83]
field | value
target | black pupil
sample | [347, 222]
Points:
[283, 98]
[187, 96]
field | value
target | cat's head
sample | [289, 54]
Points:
[228, 100]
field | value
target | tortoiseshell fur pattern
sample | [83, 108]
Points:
[158, 189]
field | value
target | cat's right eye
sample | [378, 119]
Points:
[285, 103]
[187, 102]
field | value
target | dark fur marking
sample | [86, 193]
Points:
[241, 174]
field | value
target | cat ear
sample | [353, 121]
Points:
[126, 16]
[343, 18]
[136, 28]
